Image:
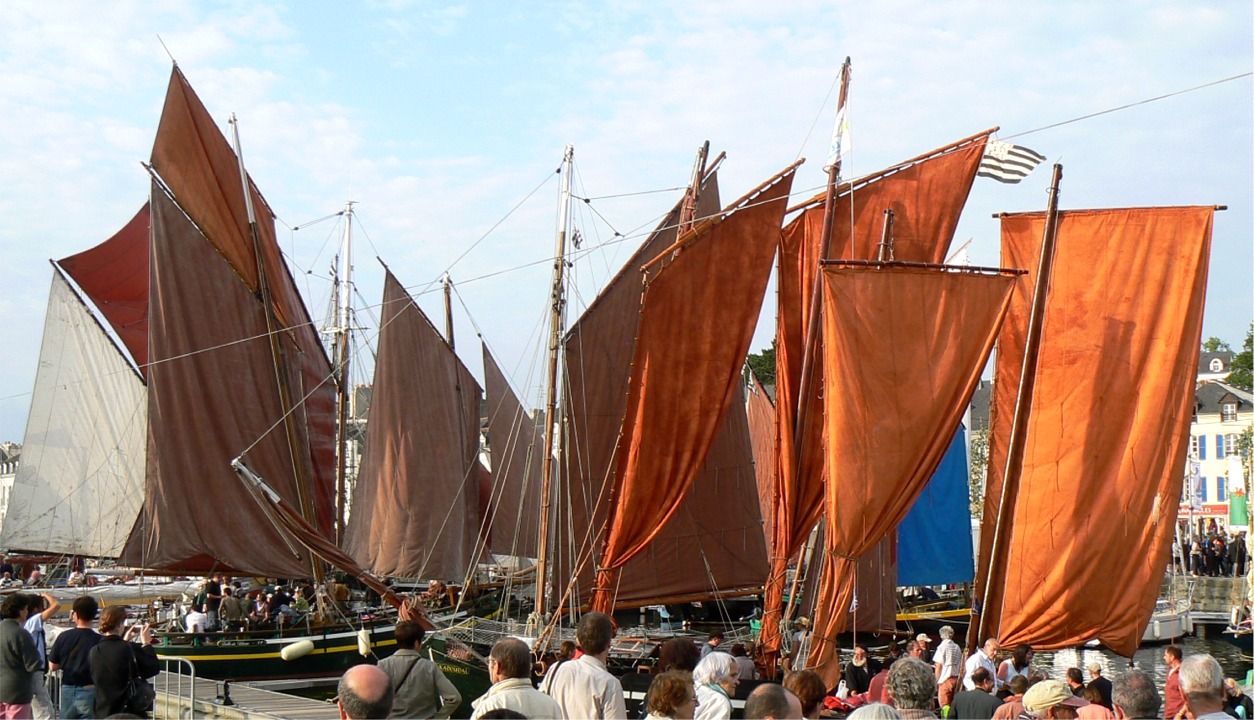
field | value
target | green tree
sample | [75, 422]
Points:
[1242, 374]
[763, 364]
[979, 471]
[1214, 344]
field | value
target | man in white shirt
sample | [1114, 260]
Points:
[948, 664]
[509, 667]
[584, 688]
[985, 657]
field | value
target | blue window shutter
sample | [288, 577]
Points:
[1219, 447]
[1221, 489]
[1203, 493]
[1201, 447]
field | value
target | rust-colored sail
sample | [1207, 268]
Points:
[211, 395]
[114, 274]
[201, 170]
[513, 499]
[902, 354]
[700, 310]
[1091, 528]
[926, 195]
[597, 361]
[416, 505]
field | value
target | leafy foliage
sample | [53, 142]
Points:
[979, 471]
[1242, 374]
[1214, 344]
[763, 364]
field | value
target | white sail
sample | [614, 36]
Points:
[80, 477]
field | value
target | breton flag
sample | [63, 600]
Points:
[1007, 163]
[840, 140]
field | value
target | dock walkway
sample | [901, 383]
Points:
[175, 699]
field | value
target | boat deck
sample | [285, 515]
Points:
[175, 699]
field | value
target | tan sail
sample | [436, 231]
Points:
[416, 505]
[513, 500]
[1090, 532]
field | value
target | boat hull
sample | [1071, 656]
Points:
[252, 657]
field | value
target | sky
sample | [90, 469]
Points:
[444, 124]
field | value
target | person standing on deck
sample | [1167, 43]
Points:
[985, 657]
[41, 607]
[213, 601]
[1173, 699]
[421, 690]
[231, 611]
[584, 688]
[712, 644]
[69, 654]
[948, 664]
[18, 658]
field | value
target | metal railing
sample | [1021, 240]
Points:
[176, 685]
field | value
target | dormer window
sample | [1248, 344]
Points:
[1216, 365]
[1228, 412]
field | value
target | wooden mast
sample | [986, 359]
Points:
[343, 352]
[448, 311]
[995, 575]
[276, 351]
[558, 303]
[812, 328]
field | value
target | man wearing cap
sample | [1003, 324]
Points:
[1101, 684]
[923, 640]
[1202, 683]
[948, 663]
[1051, 699]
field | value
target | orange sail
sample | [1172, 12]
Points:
[713, 544]
[701, 306]
[926, 194]
[761, 416]
[902, 354]
[416, 505]
[1090, 528]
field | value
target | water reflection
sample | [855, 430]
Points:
[1148, 658]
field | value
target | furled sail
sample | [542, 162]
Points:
[513, 499]
[80, 479]
[902, 354]
[114, 276]
[1108, 426]
[700, 308]
[416, 504]
[681, 561]
[926, 195]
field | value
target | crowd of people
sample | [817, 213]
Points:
[96, 667]
[1213, 553]
[699, 683]
[689, 682]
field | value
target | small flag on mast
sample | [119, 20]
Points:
[1007, 163]
[840, 130]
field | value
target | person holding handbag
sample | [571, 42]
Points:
[116, 660]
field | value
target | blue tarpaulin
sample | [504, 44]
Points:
[934, 541]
